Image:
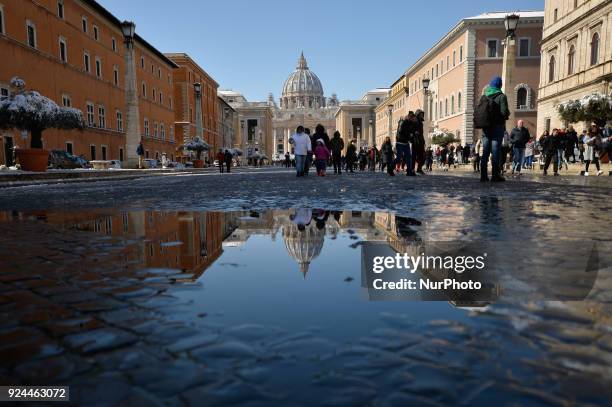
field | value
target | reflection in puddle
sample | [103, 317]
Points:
[249, 304]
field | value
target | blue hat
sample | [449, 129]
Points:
[496, 82]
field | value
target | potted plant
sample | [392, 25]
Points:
[594, 108]
[199, 146]
[31, 112]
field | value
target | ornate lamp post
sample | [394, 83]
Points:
[197, 87]
[427, 114]
[390, 114]
[510, 23]
[132, 128]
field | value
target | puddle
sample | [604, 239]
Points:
[247, 305]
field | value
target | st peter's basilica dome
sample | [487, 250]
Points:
[302, 89]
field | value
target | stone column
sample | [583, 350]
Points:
[507, 78]
[427, 117]
[132, 117]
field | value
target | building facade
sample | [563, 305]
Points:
[460, 66]
[228, 123]
[73, 52]
[356, 119]
[186, 102]
[389, 113]
[576, 56]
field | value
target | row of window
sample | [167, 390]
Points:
[571, 58]
[443, 109]
[494, 49]
[159, 130]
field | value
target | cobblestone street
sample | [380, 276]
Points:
[84, 307]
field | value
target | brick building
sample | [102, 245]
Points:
[72, 51]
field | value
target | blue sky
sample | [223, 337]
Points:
[252, 45]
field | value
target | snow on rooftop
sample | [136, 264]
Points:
[503, 14]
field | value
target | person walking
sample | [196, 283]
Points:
[529, 152]
[227, 158]
[287, 160]
[321, 155]
[561, 144]
[337, 146]
[477, 155]
[387, 156]
[592, 148]
[429, 159]
[351, 156]
[221, 160]
[418, 143]
[320, 134]
[571, 144]
[405, 135]
[140, 152]
[302, 146]
[550, 147]
[493, 128]
[519, 138]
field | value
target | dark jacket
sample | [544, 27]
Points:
[387, 152]
[351, 152]
[519, 137]
[571, 141]
[549, 144]
[407, 130]
[317, 136]
[337, 145]
[139, 150]
[502, 101]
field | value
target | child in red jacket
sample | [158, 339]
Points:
[321, 154]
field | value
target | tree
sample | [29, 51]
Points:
[29, 110]
[595, 108]
[443, 138]
[198, 145]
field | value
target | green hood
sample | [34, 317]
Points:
[491, 91]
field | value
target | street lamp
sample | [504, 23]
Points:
[198, 88]
[371, 131]
[425, 83]
[511, 22]
[128, 28]
[426, 113]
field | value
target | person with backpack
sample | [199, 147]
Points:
[386, 152]
[519, 138]
[405, 136]
[418, 143]
[321, 154]
[490, 115]
[337, 145]
[302, 145]
[140, 152]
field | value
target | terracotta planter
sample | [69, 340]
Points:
[198, 163]
[35, 160]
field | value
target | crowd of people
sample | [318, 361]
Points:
[511, 151]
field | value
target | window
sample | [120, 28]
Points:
[571, 60]
[60, 9]
[446, 107]
[162, 130]
[155, 134]
[595, 49]
[161, 98]
[119, 120]
[146, 127]
[142, 62]
[575, 3]
[98, 67]
[492, 48]
[1, 20]
[551, 69]
[146, 153]
[459, 101]
[159, 73]
[437, 71]
[521, 98]
[152, 68]
[154, 94]
[92, 151]
[90, 114]
[524, 48]
[96, 33]
[101, 117]
[170, 103]
[84, 24]
[31, 29]
[454, 58]
[104, 154]
[114, 44]
[62, 50]
[447, 62]
[461, 53]
[144, 90]
[69, 147]
[116, 75]
[547, 124]
[4, 93]
[120, 154]
[86, 62]
[453, 104]
[66, 102]
[555, 15]
[171, 133]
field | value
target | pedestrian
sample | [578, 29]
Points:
[593, 144]
[418, 143]
[506, 151]
[321, 154]
[444, 153]
[549, 145]
[405, 135]
[477, 152]
[386, 152]
[363, 159]
[320, 134]
[561, 145]
[351, 156]
[337, 146]
[221, 160]
[308, 161]
[302, 146]
[519, 138]
[227, 158]
[287, 160]
[429, 159]
[491, 115]
[466, 153]
[529, 152]
[140, 152]
[572, 144]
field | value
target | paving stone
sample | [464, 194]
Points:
[99, 340]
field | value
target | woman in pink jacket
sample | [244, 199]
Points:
[321, 154]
